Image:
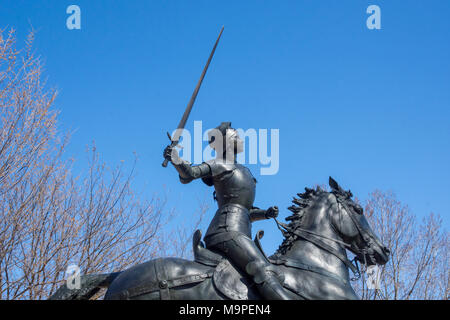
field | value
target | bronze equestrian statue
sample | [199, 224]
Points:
[311, 261]
[229, 232]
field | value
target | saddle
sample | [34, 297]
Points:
[203, 255]
[227, 279]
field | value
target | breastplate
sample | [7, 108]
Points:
[235, 184]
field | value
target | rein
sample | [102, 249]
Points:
[303, 233]
[286, 227]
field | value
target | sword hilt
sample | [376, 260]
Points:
[165, 162]
[173, 144]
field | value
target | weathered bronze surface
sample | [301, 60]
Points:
[310, 263]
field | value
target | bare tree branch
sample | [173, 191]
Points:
[418, 268]
[50, 218]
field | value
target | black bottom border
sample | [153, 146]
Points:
[220, 309]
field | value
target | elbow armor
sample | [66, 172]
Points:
[188, 173]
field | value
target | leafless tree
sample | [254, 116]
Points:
[49, 218]
[178, 241]
[418, 267]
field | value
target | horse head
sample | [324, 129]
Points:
[350, 223]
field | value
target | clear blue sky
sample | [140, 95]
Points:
[369, 107]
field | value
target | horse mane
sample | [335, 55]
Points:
[299, 207]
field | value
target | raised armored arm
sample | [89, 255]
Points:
[186, 171]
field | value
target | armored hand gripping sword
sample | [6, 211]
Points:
[176, 137]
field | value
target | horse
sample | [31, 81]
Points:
[312, 259]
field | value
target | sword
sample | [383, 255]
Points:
[176, 137]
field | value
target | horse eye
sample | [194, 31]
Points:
[358, 209]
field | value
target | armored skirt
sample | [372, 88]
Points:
[229, 221]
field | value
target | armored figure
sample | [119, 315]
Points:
[229, 232]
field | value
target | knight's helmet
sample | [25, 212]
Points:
[224, 138]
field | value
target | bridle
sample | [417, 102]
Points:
[317, 240]
[366, 238]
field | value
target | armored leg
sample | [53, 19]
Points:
[243, 252]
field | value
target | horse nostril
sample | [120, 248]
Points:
[386, 250]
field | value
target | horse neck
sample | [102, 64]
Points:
[313, 255]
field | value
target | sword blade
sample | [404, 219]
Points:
[183, 120]
[176, 136]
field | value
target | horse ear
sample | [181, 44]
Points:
[334, 185]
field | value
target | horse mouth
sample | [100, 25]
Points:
[377, 255]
